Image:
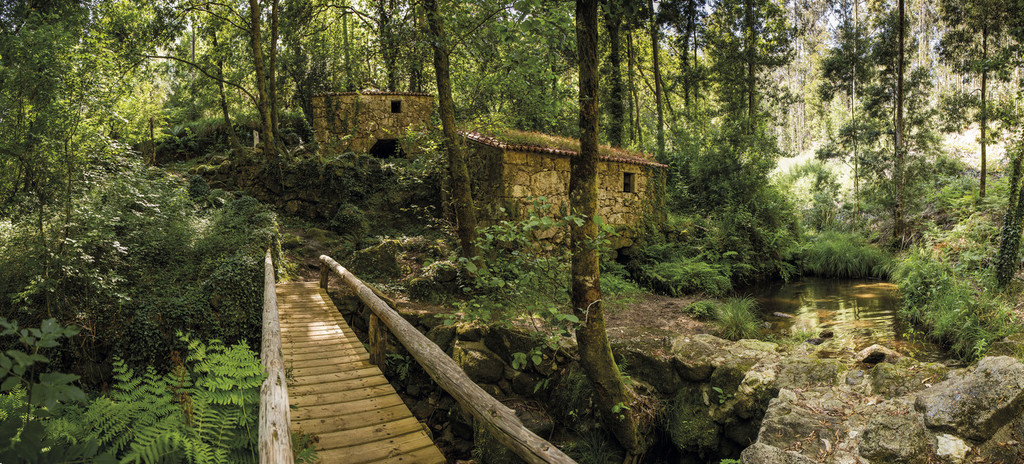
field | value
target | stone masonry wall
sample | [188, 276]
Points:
[353, 122]
[528, 174]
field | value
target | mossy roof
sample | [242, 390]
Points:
[536, 142]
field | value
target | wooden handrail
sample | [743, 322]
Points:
[495, 417]
[275, 418]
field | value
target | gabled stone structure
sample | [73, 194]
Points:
[507, 177]
[369, 121]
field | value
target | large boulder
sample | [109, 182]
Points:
[802, 372]
[875, 354]
[479, 364]
[378, 260]
[697, 356]
[760, 453]
[976, 405]
[895, 435]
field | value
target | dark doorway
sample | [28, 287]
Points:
[396, 106]
[387, 148]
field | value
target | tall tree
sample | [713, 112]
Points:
[613, 397]
[256, 44]
[613, 11]
[974, 44]
[462, 198]
[656, 61]
[900, 151]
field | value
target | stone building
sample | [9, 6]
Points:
[370, 121]
[507, 176]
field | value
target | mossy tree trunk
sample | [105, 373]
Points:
[462, 197]
[1009, 244]
[612, 397]
[616, 109]
[256, 43]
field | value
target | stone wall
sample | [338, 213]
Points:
[526, 174]
[351, 121]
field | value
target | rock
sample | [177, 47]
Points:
[536, 420]
[950, 449]
[690, 425]
[442, 336]
[802, 373]
[481, 366]
[854, 377]
[472, 333]
[377, 260]
[815, 341]
[894, 437]
[697, 356]
[647, 360]
[875, 354]
[905, 377]
[760, 453]
[827, 333]
[504, 341]
[976, 405]
[1012, 345]
[778, 314]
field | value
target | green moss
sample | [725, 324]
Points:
[690, 426]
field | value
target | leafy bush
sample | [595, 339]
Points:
[843, 255]
[198, 189]
[134, 261]
[955, 308]
[737, 320]
[664, 269]
[702, 310]
[350, 221]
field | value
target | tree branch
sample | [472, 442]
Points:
[205, 73]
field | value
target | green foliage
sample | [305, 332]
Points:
[30, 399]
[952, 302]
[593, 447]
[136, 261]
[349, 221]
[702, 310]
[843, 255]
[198, 189]
[737, 318]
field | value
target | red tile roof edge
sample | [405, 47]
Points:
[377, 92]
[491, 141]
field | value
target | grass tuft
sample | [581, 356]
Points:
[845, 256]
[737, 318]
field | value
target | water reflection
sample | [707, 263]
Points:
[863, 311]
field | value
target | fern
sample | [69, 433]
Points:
[205, 411]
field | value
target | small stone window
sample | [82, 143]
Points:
[396, 106]
[629, 182]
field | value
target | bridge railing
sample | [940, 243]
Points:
[275, 438]
[495, 417]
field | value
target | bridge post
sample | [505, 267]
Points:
[377, 334]
[324, 275]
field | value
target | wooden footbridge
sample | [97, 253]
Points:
[316, 365]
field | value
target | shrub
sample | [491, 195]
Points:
[198, 189]
[679, 275]
[349, 221]
[955, 308]
[736, 318]
[843, 255]
[702, 310]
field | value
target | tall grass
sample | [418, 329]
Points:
[955, 309]
[737, 318]
[845, 256]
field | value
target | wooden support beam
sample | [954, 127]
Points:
[495, 417]
[378, 335]
[325, 274]
[275, 438]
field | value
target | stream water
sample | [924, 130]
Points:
[861, 312]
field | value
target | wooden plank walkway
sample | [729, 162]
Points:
[339, 395]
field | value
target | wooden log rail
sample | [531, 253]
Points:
[275, 438]
[495, 417]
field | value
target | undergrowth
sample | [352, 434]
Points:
[843, 255]
[737, 318]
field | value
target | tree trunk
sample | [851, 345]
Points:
[345, 44]
[275, 123]
[388, 49]
[984, 107]
[637, 132]
[898, 171]
[232, 137]
[748, 32]
[462, 197]
[655, 49]
[853, 114]
[256, 44]
[613, 22]
[612, 397]
[1009, 244]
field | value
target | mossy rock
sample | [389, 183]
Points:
[802, 373]
[905, 377]
[690, 425]
[380, 260]
[640, 358]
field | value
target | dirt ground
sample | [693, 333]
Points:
[657, 312]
